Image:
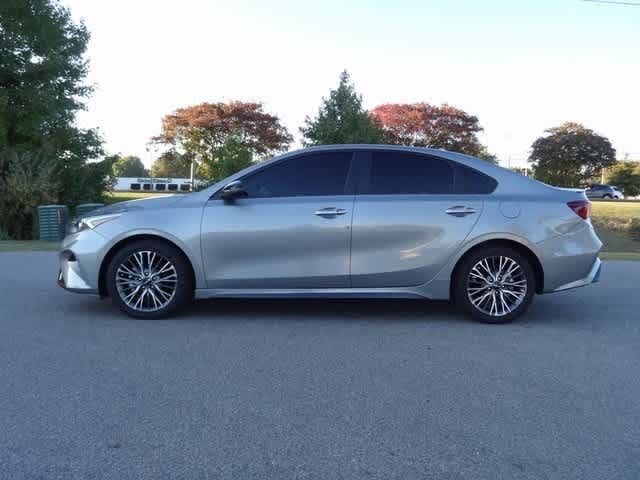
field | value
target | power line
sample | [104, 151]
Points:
[614, 2]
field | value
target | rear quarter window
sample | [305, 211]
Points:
[472, 182]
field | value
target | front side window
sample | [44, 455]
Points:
[400, 173]
[306, 175]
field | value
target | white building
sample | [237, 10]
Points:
[134, 184]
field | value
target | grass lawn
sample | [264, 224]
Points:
[611, 221]
[115, 197]
[27, 246]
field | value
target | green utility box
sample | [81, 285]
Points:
[53, 222]
[87, 207]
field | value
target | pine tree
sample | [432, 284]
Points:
[341, 119]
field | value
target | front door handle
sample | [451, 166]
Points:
[460, 211]
[330, 212]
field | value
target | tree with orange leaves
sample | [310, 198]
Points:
[209, 131]
[425, 125]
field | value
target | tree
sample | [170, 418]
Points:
[42, 73]
[203, 130]
[487, 156]
[425, 125]
[128, 166]
[341, 119]
[232, 157]
[570, 155]
[27, 183]
[172, 164]
[625, 176]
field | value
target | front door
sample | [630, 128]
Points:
[292, 231]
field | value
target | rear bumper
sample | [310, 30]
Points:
[592, 277]
[570, 260]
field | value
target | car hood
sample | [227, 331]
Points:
[139, 204]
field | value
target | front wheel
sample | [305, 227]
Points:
[150, 279]
[494, 285]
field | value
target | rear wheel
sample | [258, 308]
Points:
[607, 197]
[150, 279]
[495, 284]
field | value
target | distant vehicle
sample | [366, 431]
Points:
[606, 192]
[365, 221]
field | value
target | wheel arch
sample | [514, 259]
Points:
[518, 246]
[102, 281]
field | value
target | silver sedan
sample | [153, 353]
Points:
[353, 221]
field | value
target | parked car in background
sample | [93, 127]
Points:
[355, 221]
[606, 192]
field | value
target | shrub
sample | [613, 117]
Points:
[27, 183]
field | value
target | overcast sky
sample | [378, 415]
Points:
[521, 66]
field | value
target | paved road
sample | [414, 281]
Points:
[322, 390]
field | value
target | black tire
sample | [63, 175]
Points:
[463, 276]
[183, 288]
[607, 197]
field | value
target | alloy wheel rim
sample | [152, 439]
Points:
[497, 285]
[146, 281]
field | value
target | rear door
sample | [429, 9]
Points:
[293, 229]
[411, 213]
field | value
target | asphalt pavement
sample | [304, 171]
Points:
[307, 389]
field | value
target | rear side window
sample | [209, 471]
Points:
[306, 175]
[472, 182]
[399, 173]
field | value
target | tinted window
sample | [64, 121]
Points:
[146, 186]
[173, 186]
[160, 186]
[469, 181]
[316, 174]
[135, 186]
[184, 187]
[407, 173]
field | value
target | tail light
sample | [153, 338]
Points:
[582, 208]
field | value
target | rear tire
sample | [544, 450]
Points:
[150, 279]
[494, 284]
[607, 197]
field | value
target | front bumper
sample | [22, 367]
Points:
[70, 276]
[79, 262]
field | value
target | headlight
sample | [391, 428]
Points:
[91, 222]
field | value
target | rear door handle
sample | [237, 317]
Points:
[460, 211]
[330, 212]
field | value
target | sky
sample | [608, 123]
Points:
[520, 66]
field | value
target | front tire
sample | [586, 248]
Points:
[494, 284]
[150, 279]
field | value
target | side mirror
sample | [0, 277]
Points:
[233, 190]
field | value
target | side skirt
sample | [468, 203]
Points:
[309, 293]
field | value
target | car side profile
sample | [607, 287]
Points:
[353, 221]
[605, 192]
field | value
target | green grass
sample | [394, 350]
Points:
[27, 246]
[620, 256]
[115, 197]
[611, 220]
